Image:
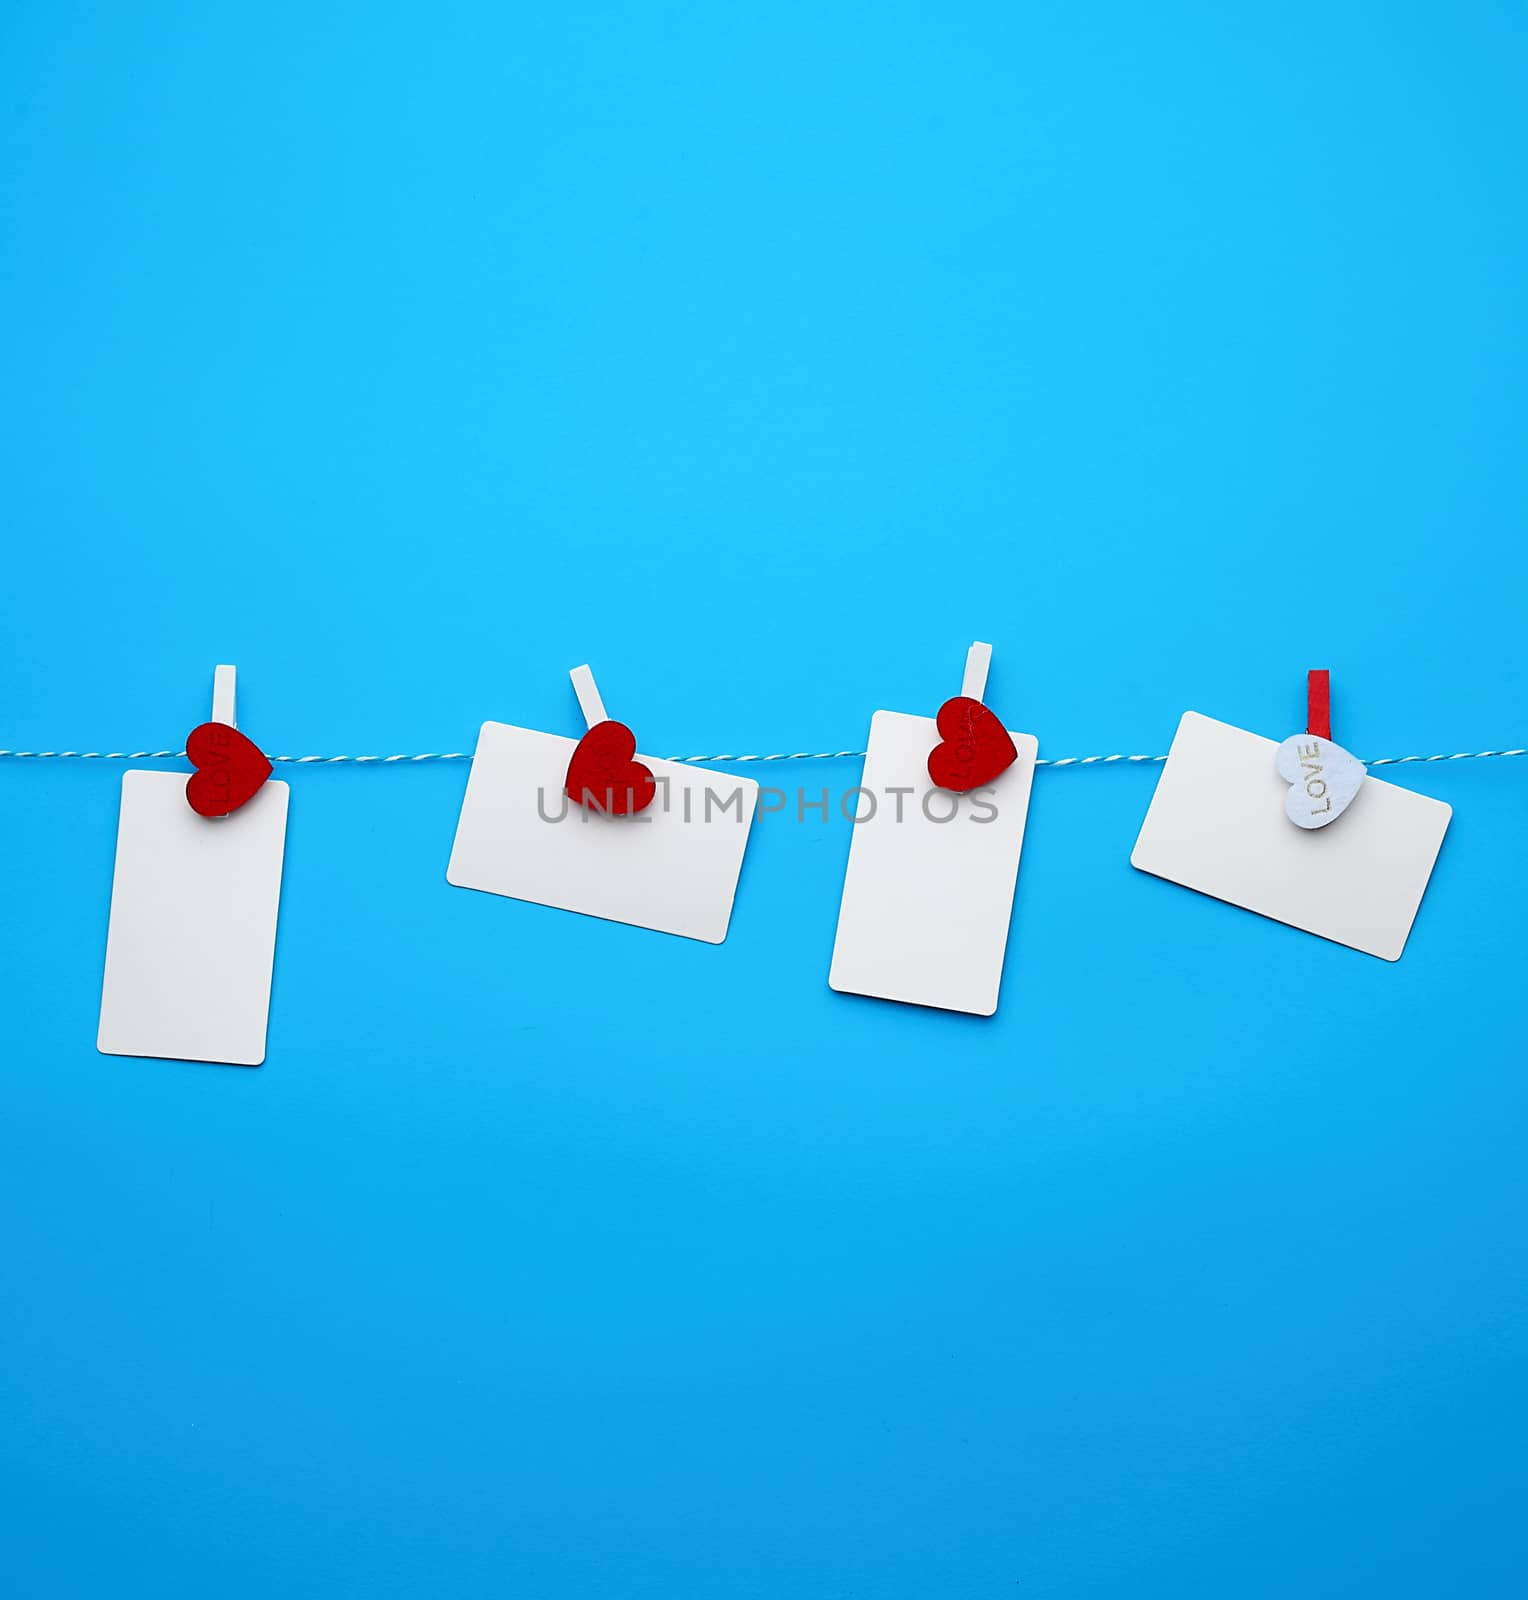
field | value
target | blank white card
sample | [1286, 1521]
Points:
[929, 888]
[673, 867]
[192, 937]
[1216, 824]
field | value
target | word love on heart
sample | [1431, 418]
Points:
[974, 746]
[603, 775]
[229, 769]
[1322, 777]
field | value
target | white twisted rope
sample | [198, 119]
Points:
[793, 755]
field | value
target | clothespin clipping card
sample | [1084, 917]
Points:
[191, 941]
[1219, 823]
[934, 854]
[587, 825]
[602, 772]
[1323, 778]
[974, 747]
[229, 767]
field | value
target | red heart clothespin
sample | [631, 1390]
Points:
[229, 767]
[603, 774]
[974, 746]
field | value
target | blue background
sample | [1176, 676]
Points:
[407, 356]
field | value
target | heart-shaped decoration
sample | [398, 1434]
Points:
[603, 776]
[1322, 777]
[229, 769]
[975, 746]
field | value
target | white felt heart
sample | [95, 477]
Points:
[1322, 779]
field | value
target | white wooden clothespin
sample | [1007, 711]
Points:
[978, 658]
[589, 701]
[223, 687]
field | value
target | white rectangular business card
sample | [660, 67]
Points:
[192, 937]
[929, 888]
[672, 867]
[1217, 824]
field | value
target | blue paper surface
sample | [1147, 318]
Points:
[764, 358]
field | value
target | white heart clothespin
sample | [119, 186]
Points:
[1323, 778]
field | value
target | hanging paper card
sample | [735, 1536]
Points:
[929, 887]
[671, 866]
[1218, 823]
[192, 936]
[939, 823]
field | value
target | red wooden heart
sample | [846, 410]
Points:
[603, 776]
[975, 746]
[229, 769]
